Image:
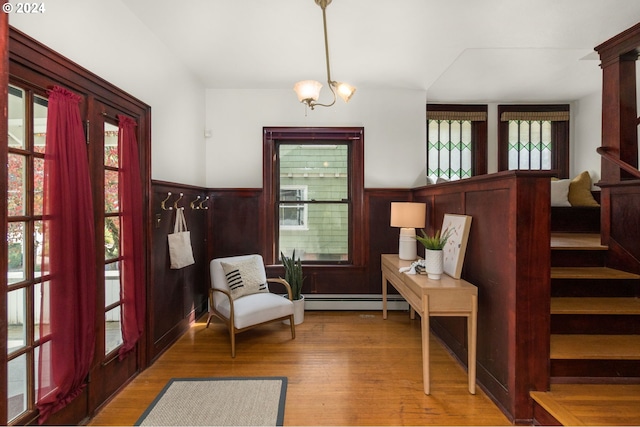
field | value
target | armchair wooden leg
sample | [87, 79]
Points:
[293, 327]
[209, 319]
[233, 343]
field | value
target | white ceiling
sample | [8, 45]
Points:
[456, 50]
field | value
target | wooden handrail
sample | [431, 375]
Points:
[606, 153]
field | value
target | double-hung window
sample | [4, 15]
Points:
[456, 141]
[314, 203]
[314, 193]
[534, 137]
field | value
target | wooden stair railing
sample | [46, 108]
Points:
[606, 152]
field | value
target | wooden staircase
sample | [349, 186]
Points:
[595, 338]
[595, 314]
[595, 319]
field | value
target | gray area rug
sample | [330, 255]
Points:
[249, 401]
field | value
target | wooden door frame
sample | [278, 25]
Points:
[4, 83]
[30, 61]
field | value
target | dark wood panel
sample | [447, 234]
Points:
[508, 259]
[585, 287]
[235, 222]
[626, 370]
[577, 258]
[442, 204]
[195, 288]
[543, 418]
[625, 226]
[4, 84]
[490, 259]
[104, 386]
[177, 296]
[77, 407]
[344, 279]
[575, 219]
[595, 324]
[618, 57]
[381, 237]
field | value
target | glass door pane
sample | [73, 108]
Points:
[112, 251]
[26, 145]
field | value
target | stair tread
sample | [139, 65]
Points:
[590, 273]
[595, 305]
[555, 408]
[591, 404]
[595, 347]
[573, 241]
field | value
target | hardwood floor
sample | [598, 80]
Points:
[343, 368]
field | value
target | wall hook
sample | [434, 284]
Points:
[162, 204]
[193, 204]
[175, 204]
[204, 201]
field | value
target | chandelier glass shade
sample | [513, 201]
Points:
[308, 91]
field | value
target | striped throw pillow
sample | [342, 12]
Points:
[245, 277]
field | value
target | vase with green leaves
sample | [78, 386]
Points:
[433, 254]
[293, 274]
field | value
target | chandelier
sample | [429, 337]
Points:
[308, 91]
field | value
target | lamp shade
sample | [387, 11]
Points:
[408, 214]
[345, 91]
[307, 90]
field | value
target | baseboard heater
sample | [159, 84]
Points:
[353, 302]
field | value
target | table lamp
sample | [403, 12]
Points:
[408, 216]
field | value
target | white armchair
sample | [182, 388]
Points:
[247, 302]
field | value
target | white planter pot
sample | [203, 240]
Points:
[433, 262]
[298, 312]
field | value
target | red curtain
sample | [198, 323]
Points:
[67, 318]
[132, 238]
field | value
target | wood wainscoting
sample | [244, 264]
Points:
[508, 259]
[176, 297]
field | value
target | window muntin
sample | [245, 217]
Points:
[313, 203]
[293, 216]
[27, 115]
[530, 145]
[534, 137]
[456, 141]
[449, 151]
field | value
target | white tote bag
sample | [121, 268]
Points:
[180, 252]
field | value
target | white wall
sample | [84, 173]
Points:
[587, 136]
[108, 40]
[394, 133]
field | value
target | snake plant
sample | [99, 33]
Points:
[293, 273]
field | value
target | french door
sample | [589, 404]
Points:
[26, 275]
[109, 371]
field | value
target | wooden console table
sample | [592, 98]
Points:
[428, 297]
